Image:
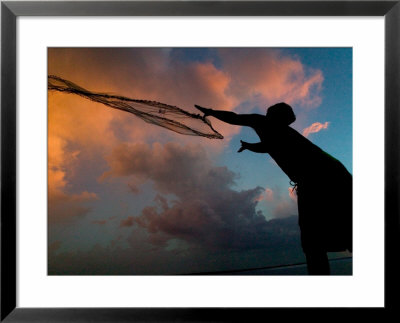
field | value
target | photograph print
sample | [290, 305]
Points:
[200, 161]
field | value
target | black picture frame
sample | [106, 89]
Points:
[10, 10]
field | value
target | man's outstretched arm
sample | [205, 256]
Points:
[258, 147]
[250, 120]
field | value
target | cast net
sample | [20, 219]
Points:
[160, 114]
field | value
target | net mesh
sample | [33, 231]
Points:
[157, 113]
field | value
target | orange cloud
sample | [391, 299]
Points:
[155, 74]
[62, 161]
[315, 127]
[137, 73]
[82, 132]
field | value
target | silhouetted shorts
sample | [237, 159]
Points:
[325, 210]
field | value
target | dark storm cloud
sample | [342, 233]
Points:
[206, 212]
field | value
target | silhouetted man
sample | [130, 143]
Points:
[322, 183]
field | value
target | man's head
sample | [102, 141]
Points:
[281, 114]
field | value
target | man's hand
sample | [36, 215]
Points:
[243, 147]
[206, 111]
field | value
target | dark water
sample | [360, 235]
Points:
[338, 267]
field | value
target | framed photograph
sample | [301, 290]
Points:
[197, 161]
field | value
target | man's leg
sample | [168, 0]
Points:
[317, 263]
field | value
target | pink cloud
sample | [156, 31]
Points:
[271, 75]
[286, 206]
[279, 204]
[314, 128]
[267, 195]
[292, 194]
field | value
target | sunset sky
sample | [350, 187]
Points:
[128, 197]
